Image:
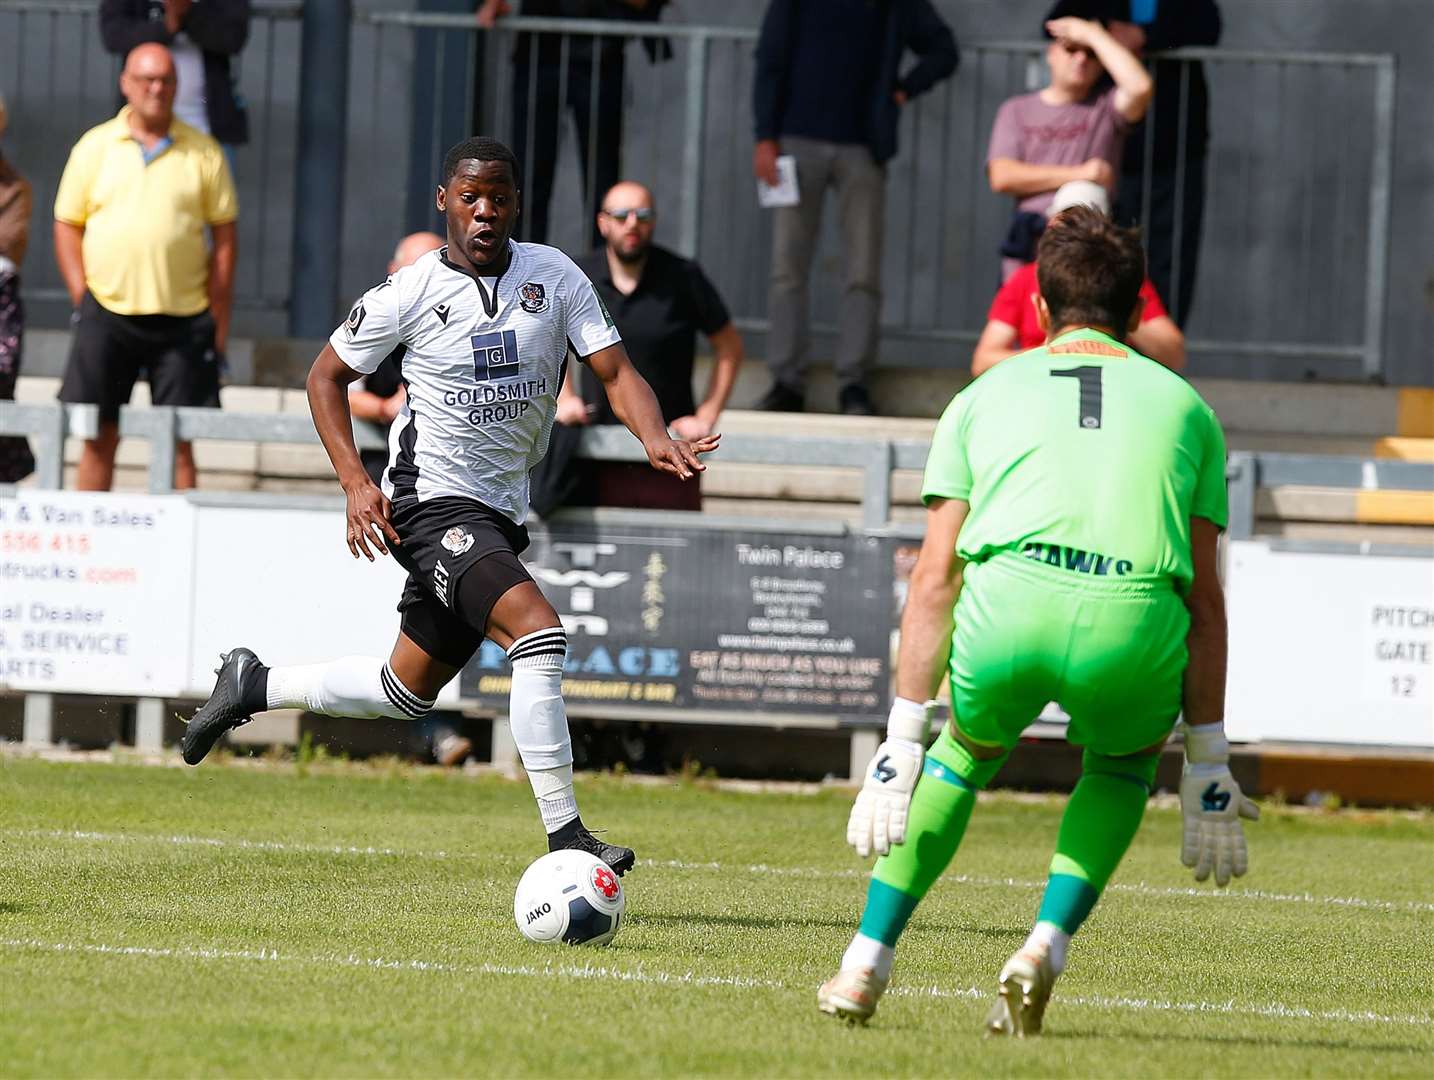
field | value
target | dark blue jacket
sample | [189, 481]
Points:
[908, 24]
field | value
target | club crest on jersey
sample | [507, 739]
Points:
[495, 355]
[355, 320]
[532, 297]
[457, 540]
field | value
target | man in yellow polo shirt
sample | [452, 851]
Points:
[151, 297]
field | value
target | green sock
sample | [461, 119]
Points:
[940, 808]
[1099, 824]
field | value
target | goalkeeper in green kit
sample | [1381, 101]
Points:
[1075, 494]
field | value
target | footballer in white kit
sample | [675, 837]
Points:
[484, 327]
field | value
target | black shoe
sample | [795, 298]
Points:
[782, 398]
[226, 707]
[855, 401]
[575, 837]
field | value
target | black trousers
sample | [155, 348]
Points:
[1172, 243]
[540, 93]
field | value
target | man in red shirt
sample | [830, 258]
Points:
[1011, 325]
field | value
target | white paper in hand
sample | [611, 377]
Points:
[785, 191]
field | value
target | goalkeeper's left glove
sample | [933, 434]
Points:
[1212, 805]
[878, 820]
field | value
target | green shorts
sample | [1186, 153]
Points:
[1110, 651]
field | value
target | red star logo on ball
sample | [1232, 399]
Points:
[605, 881]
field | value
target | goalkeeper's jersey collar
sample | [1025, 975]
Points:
[1088, 341]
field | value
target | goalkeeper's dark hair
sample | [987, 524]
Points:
[1089, 270]
[479, 148]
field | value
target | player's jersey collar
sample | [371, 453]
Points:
[1100, 343]
[490, 300]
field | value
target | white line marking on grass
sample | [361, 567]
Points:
[1358, 903]
[602, 972]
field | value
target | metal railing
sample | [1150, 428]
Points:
[59, 81]
[1295, 234]
[161, 426]
[1295, 240]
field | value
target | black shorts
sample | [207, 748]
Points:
[444, 542]
[109, 352]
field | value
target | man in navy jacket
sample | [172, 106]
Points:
[828, 91]
[201, 35]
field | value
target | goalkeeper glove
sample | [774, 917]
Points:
[1212, 805]
[878, 820]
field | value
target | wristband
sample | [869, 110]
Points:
[1205, 744]
[907, 720]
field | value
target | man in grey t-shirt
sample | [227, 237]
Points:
[1066, 131]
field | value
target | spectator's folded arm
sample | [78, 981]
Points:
[121, 31]
[219, 27]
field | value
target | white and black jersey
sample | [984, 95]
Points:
[482, 360]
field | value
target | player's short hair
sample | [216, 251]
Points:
[479, 148]
[1089, 269]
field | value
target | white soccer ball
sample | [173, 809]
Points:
[569, 896]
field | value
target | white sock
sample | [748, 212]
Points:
[359, 686]
[867, 952]
[1053, 937]
[540, 722]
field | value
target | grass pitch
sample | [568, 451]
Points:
[345, 921]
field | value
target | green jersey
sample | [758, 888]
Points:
[1085, 455]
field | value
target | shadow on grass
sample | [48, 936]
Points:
[11, 907]
[741, 922]
[1239, 1040]
[847, 923]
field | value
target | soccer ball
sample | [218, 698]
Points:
[569, 896]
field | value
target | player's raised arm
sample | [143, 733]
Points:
[634, 403]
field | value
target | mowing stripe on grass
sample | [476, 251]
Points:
[1357, 903]
[1275, 1010]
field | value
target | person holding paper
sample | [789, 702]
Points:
[828, 93]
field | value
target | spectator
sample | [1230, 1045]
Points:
[201, 35]
[16, 462]
[659, 301]
[828, 92]
[149, 297]
[591, 86]
[1013, 325]
[1182, 103]
[1070, 130]
[379, 397]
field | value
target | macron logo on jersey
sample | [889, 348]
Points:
[495, 355]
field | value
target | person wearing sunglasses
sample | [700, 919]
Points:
[1071, 129]
[660, 302]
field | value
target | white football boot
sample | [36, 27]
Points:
[1025, 988]
[851, 995]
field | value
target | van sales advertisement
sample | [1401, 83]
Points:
[94, 592]
[712, 620]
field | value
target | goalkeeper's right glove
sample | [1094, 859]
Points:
[1212, 805]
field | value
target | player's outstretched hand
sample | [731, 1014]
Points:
[878, 820]
[1212, 805]
[368, 522]
[681, 457]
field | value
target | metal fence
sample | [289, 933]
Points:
[1292, 281]
[1295, 237]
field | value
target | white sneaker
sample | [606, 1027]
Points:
[851, 995]
[1025, 988]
